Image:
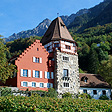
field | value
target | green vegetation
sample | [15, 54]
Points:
[95, 50]
[104, 97]
[6, 69]
[46, 104]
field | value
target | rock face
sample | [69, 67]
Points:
[73, 73]
[38, 31]
[69, 19]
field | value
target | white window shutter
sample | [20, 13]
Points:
[52, 75]
[29, 84]
[33, 59]
[40, 60]
[21, 72]
[45, 85]
[33, 73]
[29, 73]
[22, 83]
[40, 74]
[45, 74]
[37, 84]
[51, 85]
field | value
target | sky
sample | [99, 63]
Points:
[21, 15]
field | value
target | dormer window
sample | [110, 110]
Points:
[85, 79]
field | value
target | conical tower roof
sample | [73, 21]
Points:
[56, 31]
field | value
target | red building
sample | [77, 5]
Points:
[51, 63]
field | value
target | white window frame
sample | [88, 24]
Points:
[41, 83]
[36, 74]
[64, 58]
[32, 84]
[48, 85]
[24, 75]
[25, 82]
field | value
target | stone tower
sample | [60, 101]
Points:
[63, 58]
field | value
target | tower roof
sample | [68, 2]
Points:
[56, 31]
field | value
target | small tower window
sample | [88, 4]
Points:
[48, 48]
[65, 58]
[66, 84]
[67, 47]
[56, 45]
[65, 72]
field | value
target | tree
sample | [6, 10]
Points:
[105, 70]
[93, 62]
[6, 69]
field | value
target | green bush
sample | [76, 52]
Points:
[103, 97]
[51, 93]
[85, 96]
[47, 104]
[4, 91]
[66, 95]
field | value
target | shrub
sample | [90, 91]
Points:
[103, 97]
[85, 96]
[66, 95]
[51, 93]
[4, 91]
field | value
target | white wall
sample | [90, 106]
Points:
[99, 92]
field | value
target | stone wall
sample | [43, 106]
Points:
[73, 71]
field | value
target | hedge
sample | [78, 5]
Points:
[47, 104]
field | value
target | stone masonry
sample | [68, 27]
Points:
[73, 72]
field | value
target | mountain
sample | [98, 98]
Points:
[85, 18]
[38, 31]
[104, 17]
[68, 19]
[42, 27]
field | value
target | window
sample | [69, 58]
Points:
[25, 73]
[37, 49]
[103, 92]
[65, 58]
[37, 75]
[84, 91]
[48, 75]
[67, 47]
[74, 44]
[66, 84]
[41, 85]
[48, 48]
[56, 45]
[95, 92]
[85, 80]
[25, 84]
[33, 84]
[65, 72]
[37, 60]
[48, 85]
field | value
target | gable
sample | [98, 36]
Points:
[35, 50]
